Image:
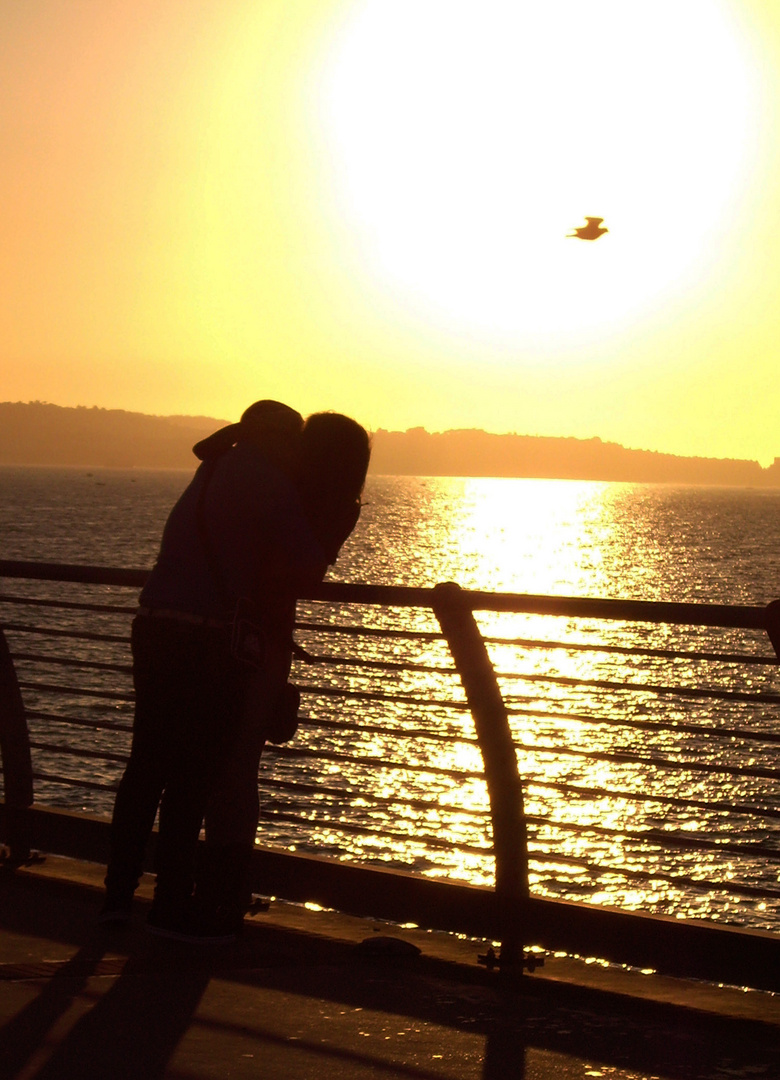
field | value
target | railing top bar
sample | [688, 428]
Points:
[723, 615]
[87, 575]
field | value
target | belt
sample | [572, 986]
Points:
[184, 616]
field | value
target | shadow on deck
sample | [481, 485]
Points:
[300, 996]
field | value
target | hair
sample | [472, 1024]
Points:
[270, 426]
[273, 428]
[335, 452]
[268, 416]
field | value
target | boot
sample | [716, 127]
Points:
[222, 892]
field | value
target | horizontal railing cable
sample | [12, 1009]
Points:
[76, 635]
[646, 688]
[64, 749]
[686, 803]
[372, 631]
[76, 691]
[285, 751]
[354, 828]
[68, 605]
[67, 661]
[298, 787]
[70, 781]
[626, 757]
[756, 892]
[381, 665]
[630, 722]
[619, 756]
[79, 721]
[317, 691]
[292, 751]
[78, 751]
[543, 644]
[411, 635]
[366, 695]
[302, 788]
[704, 730]
[660, 838]
[557, 680]
[632, 650]
[441, 737]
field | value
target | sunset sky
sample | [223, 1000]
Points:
[364, 205]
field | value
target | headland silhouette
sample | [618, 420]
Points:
[39, 433]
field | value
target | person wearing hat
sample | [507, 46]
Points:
[217, 608]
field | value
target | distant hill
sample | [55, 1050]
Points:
[37, 433]
[41, 434]
[470, 452]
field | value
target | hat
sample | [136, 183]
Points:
[256, 423]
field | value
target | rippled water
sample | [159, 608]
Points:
[589, 717]
[638, 541]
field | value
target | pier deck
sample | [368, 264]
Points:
[300, 996]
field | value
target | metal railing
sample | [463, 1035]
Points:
[387, 771]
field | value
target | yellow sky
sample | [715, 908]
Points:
[363, 205]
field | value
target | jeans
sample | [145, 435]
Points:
[190, 699]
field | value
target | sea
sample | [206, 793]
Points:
[648, 753]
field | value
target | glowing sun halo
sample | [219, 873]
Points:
[468, 139]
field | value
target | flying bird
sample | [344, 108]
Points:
[591, 231]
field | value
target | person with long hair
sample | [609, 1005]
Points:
[333, 460]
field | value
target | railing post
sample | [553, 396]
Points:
[17, 764]
[773, 625]
[504, 786]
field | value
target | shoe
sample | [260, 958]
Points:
[116, 912]
[190, 929]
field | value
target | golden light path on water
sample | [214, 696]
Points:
[607, 540]
[616, 739]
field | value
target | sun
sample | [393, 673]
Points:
[467, 140]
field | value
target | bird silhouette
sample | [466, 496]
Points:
[591, 231]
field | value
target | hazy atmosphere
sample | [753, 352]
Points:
[365, 205]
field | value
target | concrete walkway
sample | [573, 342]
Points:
[301, 996]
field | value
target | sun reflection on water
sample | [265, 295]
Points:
[615, 740]
[595, 708]
[532, 532]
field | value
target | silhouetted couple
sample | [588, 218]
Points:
[265, 514]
